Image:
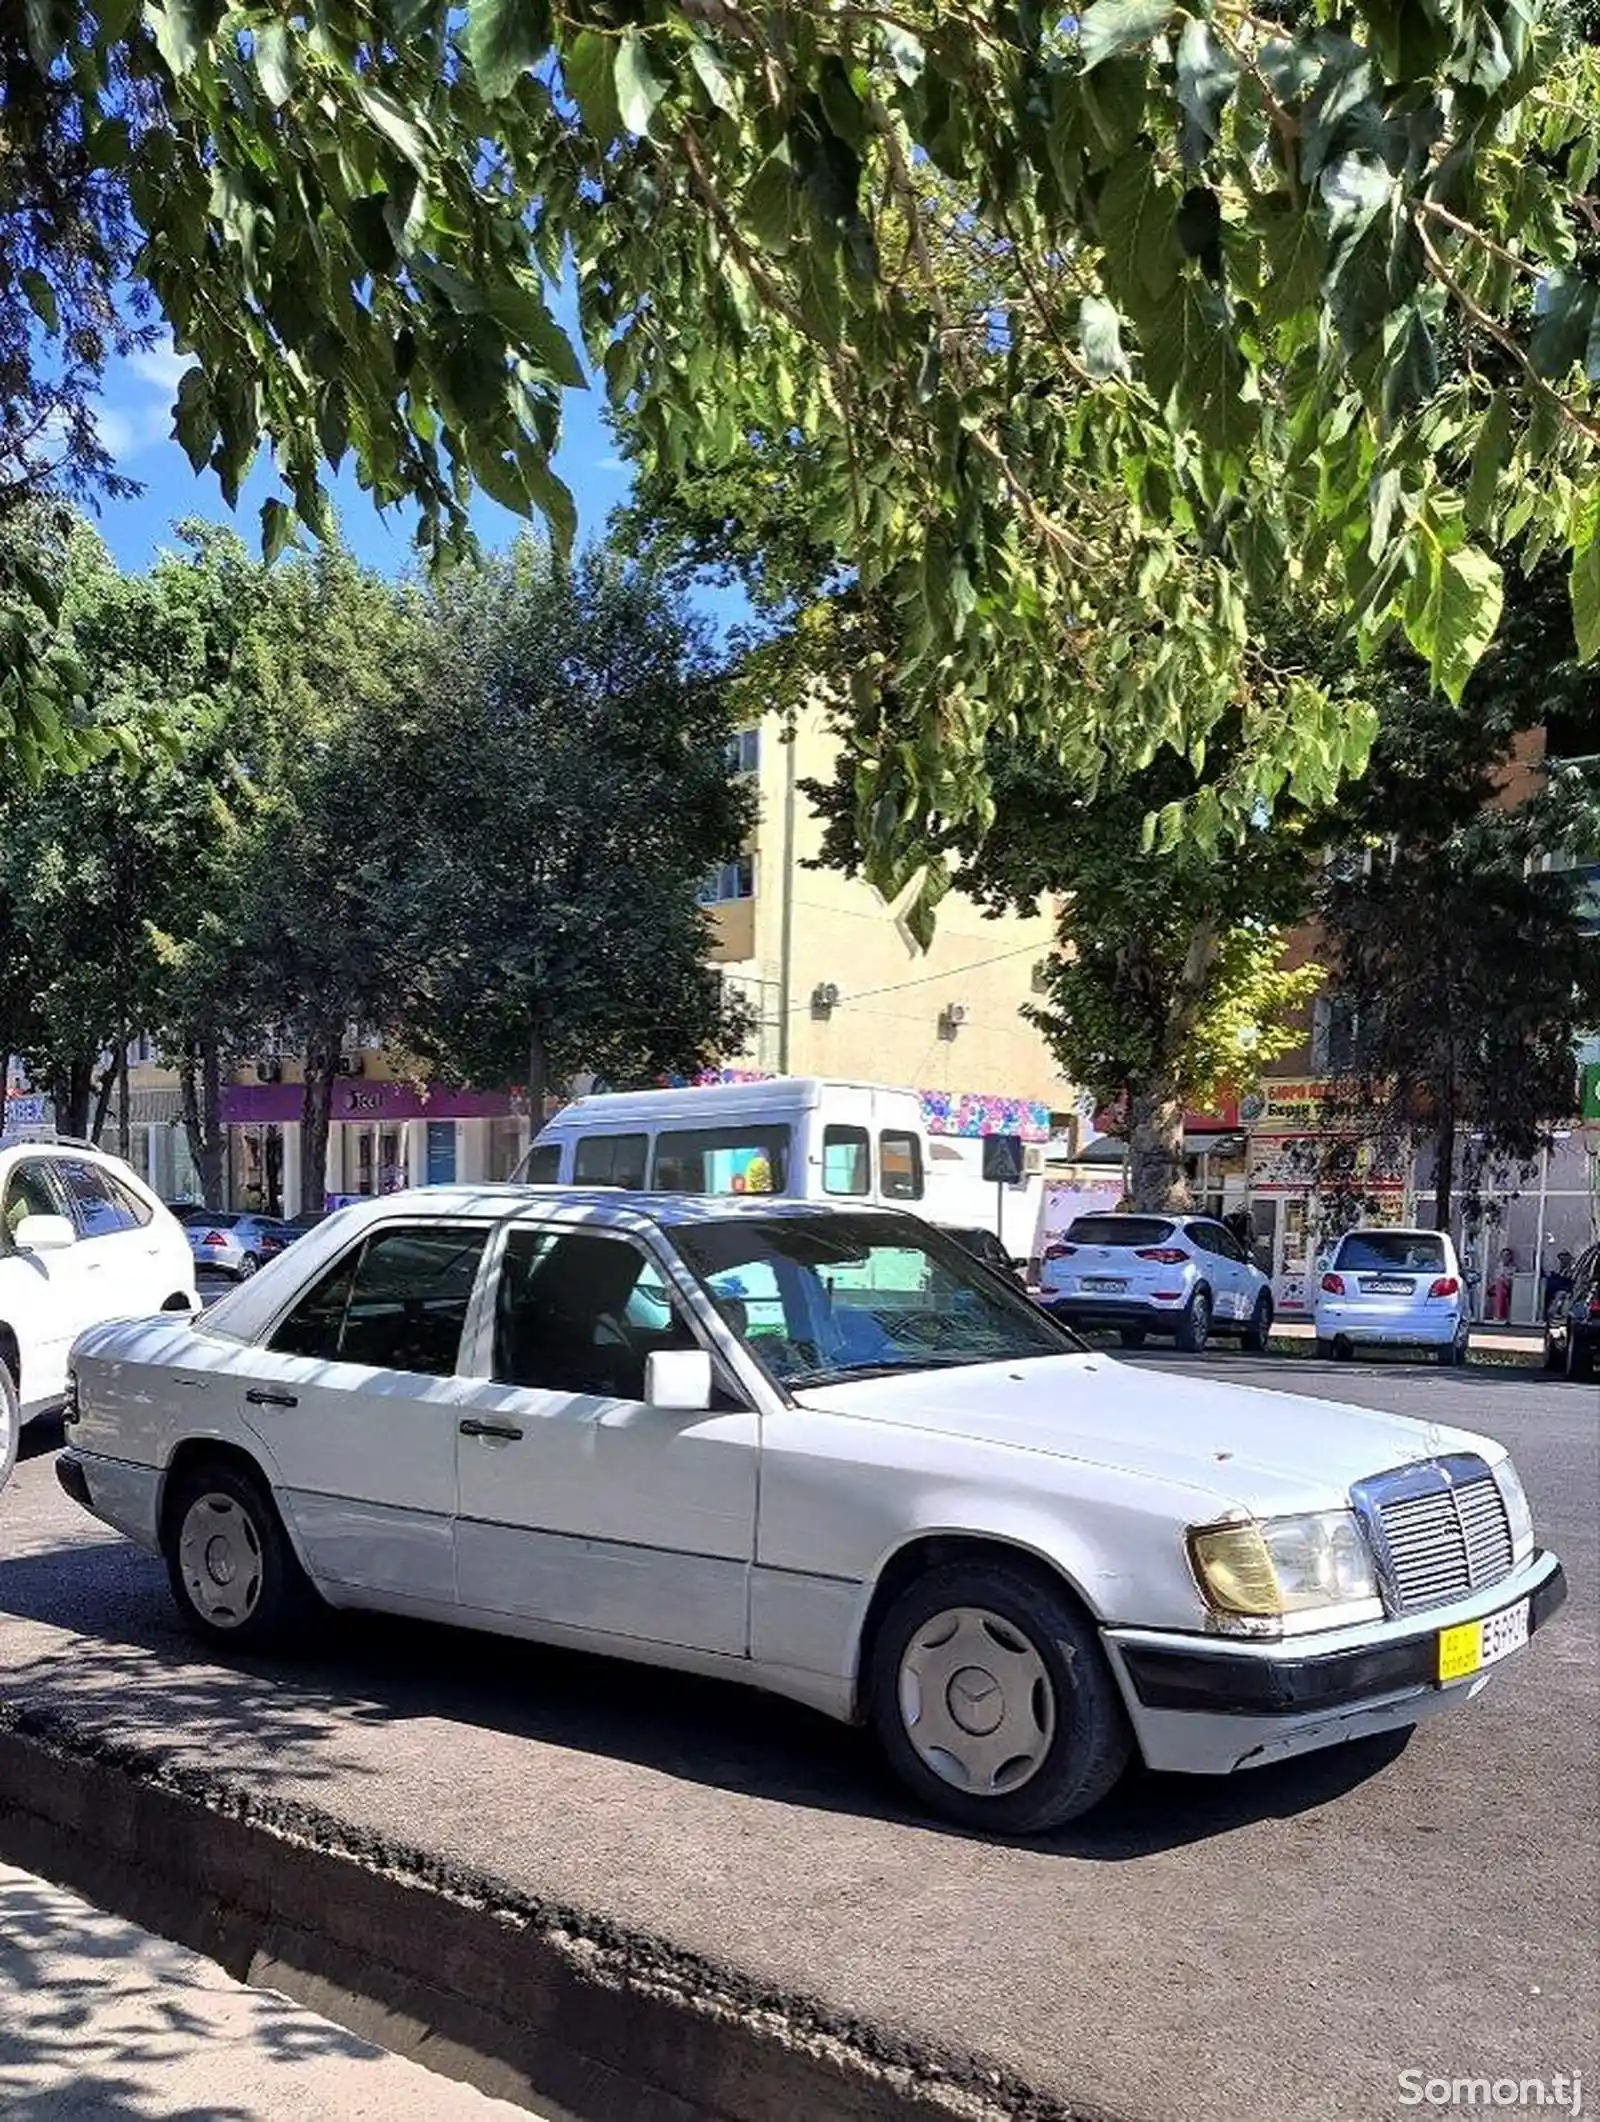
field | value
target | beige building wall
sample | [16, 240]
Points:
[948, 1018]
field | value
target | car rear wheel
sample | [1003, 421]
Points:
[1132, 1336]
[1555, 1359]
[991, 1697]
[1343, 1349]
[248, 1266]
[1580, 1356]
[237, 1581]
[10, 1424]
[1194, 1328]
[1257, 1334]
[1455, 1355]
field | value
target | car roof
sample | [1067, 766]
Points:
[705, 1100]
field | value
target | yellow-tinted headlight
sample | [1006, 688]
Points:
[1264, 1568]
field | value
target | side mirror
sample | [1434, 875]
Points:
[678, 1378]
[43, 1234]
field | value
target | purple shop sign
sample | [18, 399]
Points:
[244, 1104]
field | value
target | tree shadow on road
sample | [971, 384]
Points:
[270, 1725]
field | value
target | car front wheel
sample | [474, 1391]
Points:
[237, 1581]
[990, 1694]
[1580, 1356]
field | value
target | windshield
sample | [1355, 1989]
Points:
[1412, 1251]
[820, 1298]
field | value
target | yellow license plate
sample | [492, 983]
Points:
[1471, 1645]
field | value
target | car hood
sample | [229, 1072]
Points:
[1252, 1448]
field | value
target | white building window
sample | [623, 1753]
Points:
[1335, 1036]
[744, 752]
[734, 880]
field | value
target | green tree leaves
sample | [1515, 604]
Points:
[1112, 26]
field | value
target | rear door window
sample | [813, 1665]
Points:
[400, 1303]
[610, 1160]
[1130, 1231]
[33, 1191]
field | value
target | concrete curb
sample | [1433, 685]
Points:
[524, 1999]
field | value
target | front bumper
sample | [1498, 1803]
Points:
[1207, 1705]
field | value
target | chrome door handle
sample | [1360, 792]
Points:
[258, 1398]
[472, 1427]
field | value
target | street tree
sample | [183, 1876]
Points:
[1469, 968]
[542, 869]
[1226, 250]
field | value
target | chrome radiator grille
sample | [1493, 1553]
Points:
[1440, 1530]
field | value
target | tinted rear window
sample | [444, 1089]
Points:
[1119, 1230]
[1413, 1252]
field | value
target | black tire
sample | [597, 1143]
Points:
[1132, 1336]
[10, 1424]
[1327, 1351]
[1259, 1332]
[1343, 1351]
[1090, 1743]
[1555, 1359]
[278, 1601]
[249, 1266]
[1194, 1327]
[1580, 1356]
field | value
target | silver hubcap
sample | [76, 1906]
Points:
[976, 1701]
[219, 1554]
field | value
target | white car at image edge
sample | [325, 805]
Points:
[820, 1450]
[83, 1240]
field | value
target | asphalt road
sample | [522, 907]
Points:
[1284, 1944]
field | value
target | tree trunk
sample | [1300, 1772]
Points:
[1157, 1180]
[102, 1103]
[1444, 1155]
[72, 1095]
[124, 1112]
[316, 1114]
[538, 1081]
[200, 1088]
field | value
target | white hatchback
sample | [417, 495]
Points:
[83, 1241]
[1393, 1289]
[1185, 1276]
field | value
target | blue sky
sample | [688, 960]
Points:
[136, 426]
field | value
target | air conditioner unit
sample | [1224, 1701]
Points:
[1032, 1159]
[352, 1064]
[269, 1068]
[824, 999]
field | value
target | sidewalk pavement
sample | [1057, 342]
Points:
[101, 2022]
[1507, 1340]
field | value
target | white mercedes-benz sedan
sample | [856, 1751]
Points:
[824, 1451]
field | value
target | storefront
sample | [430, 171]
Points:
[1312, 1172]
[382, 1137]
[1514, 1225]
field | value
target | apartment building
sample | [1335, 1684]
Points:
[837, 985]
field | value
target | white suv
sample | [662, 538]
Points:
[1186, 1276]
[82, 1241]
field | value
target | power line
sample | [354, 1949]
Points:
[954, 972]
